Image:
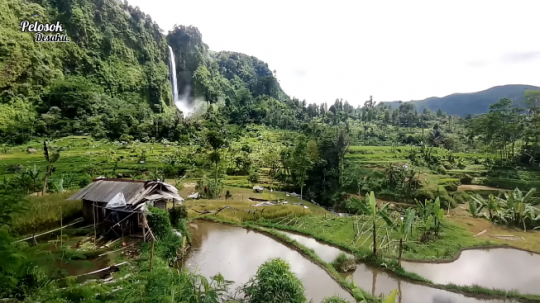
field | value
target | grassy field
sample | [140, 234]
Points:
[44, 213]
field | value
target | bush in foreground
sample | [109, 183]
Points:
[275, 282]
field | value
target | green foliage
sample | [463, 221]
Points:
[515, 209]
[273, 283]
[447, 202]
[370, 209]
[460, 197]
[176, 214]
[19, 275]
[45, 212]
[344, 263]
[159, 222]
[253, 177]
[466, 179]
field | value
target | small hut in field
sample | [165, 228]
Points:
[121, 204]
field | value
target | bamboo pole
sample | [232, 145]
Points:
[61, 230]
[50, 231]
[152, 256]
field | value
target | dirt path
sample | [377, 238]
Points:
[477, 187]
[461, 216]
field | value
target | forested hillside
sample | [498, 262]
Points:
[104, 81]
[112, 79]
[471, 103]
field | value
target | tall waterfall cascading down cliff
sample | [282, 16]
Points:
[172, 72]
[181, 102]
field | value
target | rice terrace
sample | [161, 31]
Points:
[141, 166]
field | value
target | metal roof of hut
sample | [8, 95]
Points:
[135, 191]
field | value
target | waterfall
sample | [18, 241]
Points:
[172, 71]
[184, 102]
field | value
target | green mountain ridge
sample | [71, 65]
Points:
[474, 103]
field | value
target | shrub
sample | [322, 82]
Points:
[275, 283]
[159, 222]
[423, 194]
[441, 170]
[447, 165]
[445, 199]
[450, 186]
[176, 214]
[343, 263]
[460, 197]
[169, 242]
[466, 179]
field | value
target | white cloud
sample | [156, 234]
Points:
[393, 50]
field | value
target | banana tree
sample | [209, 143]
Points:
[404, 228]
[519, 208]
[370, 209]
[33, 174]
[432, 214]
[492, 205]
[475, 208]
[438, 215]
[51, 159]
[359, 296]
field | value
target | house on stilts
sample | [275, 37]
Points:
[120, 206]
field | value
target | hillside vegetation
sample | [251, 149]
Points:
[102, 106]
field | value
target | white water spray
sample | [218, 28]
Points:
[183, 103]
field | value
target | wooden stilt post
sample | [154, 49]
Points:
[94, 215]
[143, 228]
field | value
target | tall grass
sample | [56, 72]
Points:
[43, 213]
[244, 211]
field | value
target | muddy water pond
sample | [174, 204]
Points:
[237, 253]
[502, 268]
[376, 281]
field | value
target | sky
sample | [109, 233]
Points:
[353, 49]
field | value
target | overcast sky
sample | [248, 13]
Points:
[351, 49]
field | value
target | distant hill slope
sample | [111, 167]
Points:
[471, 103]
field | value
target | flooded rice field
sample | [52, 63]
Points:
[376, 281]
[502, 268]
[237, 253]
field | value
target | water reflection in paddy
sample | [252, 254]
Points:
[502, 268]
[237, 253]
[379, 282]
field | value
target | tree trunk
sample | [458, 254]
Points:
[301, 191]
[374, 240]
[45, 181]
[400, 251]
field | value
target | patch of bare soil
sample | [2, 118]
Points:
[529, 240]
[477, 187]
